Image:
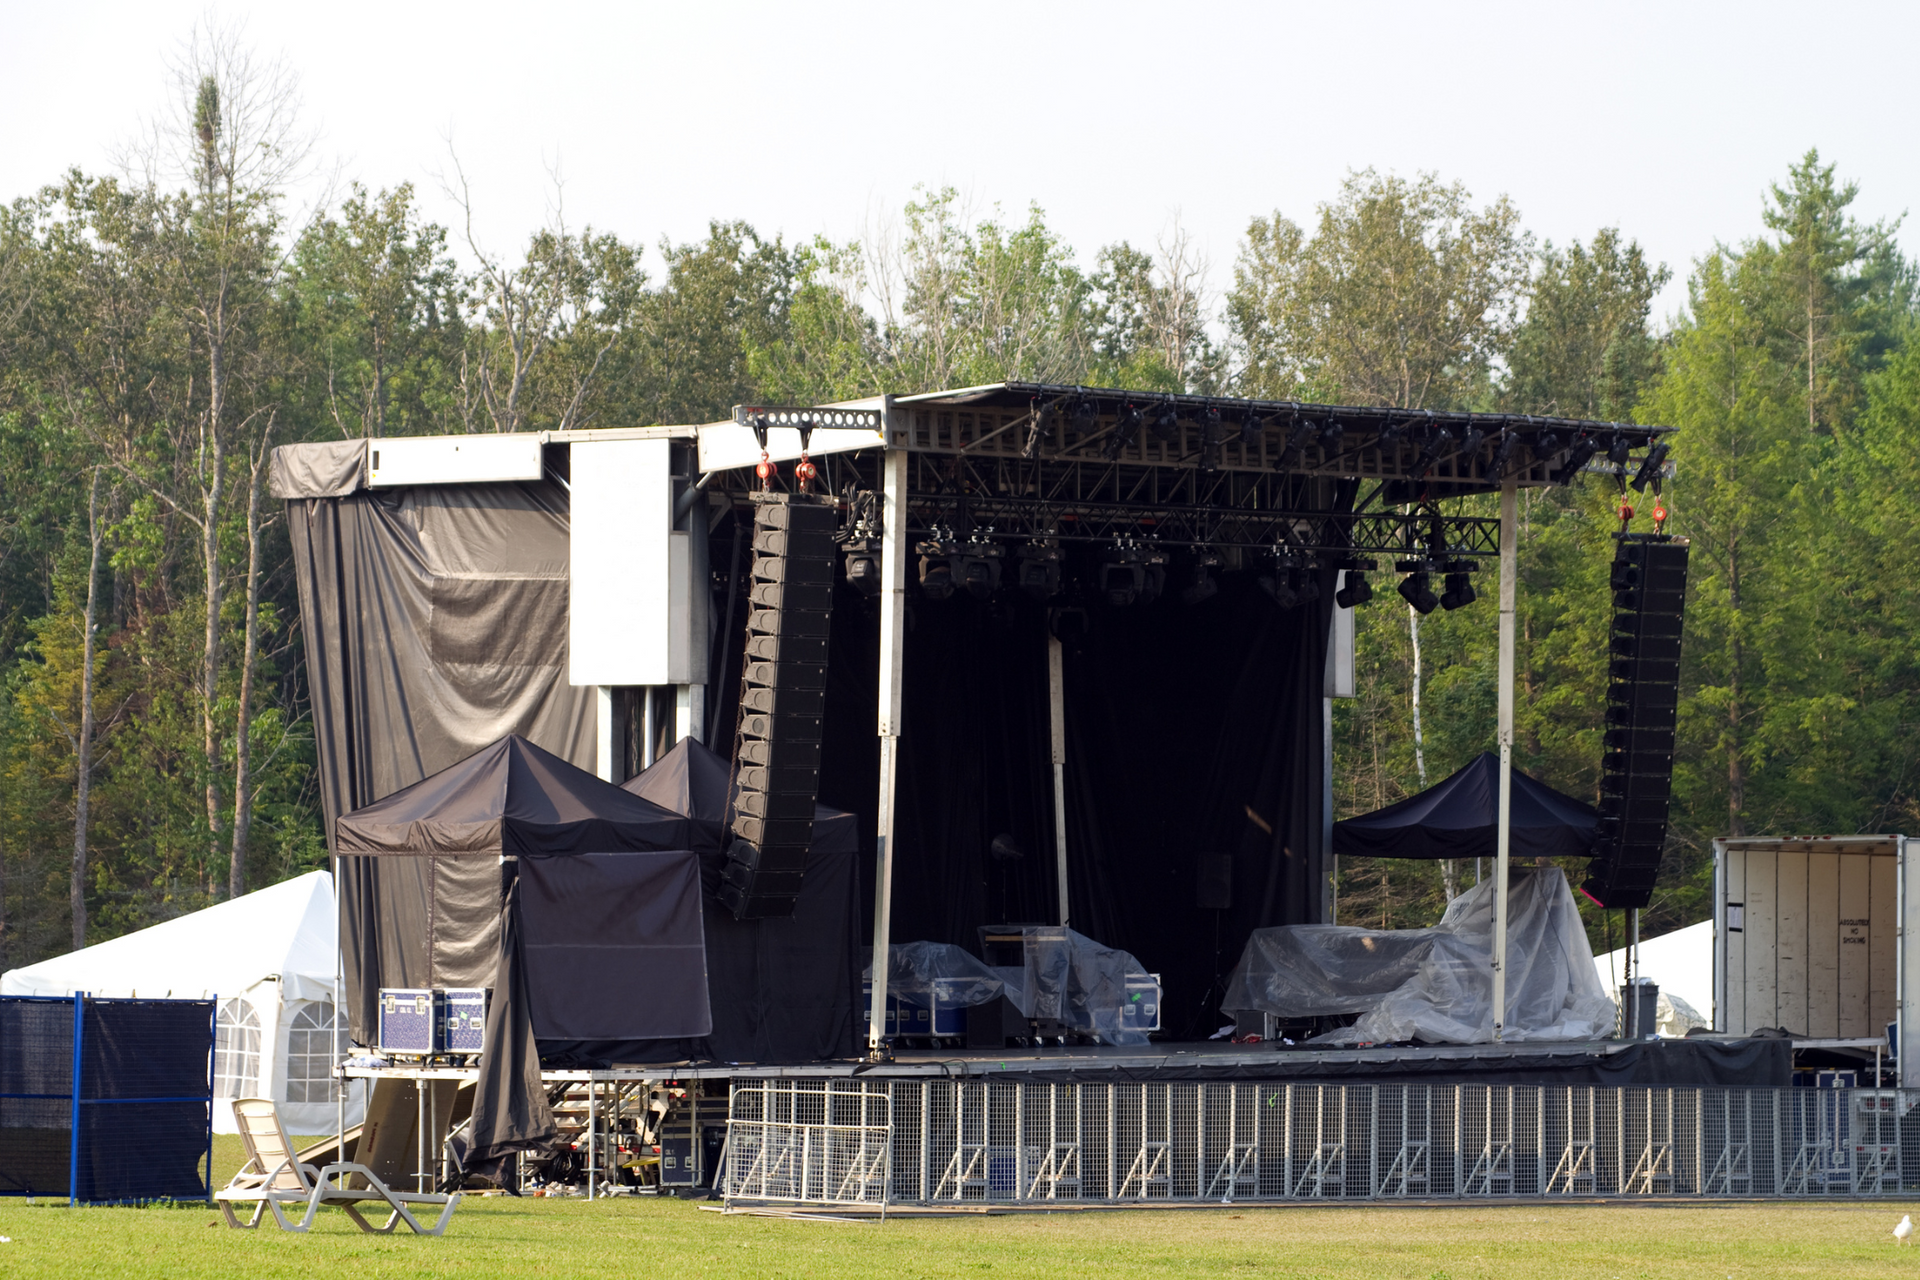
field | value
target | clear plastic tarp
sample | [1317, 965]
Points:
[924, 971]
[1436, 985]
[1081, 984]
[1067, 978]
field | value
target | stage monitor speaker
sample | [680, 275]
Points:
[1213, 887]
[782, 698]
[1649, 580]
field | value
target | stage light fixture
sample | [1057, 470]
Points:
[1330, 436]
[1039, 571]
[1417, 590]
[938, 556]
[1470, 443]
[1584, 447]
[1297, 442]
[1390, 437]
[1355, 590]
[936, 577]
[1250, 429]
[1126, 429]
[1503, 454]
[1649, 472]
[1458, 592]
[1436, 446]
[1305, 582]
[1618, 450]
[1544, 445]
[1166, 423]
[1202, 588]
[1043, 420]
[863, 565]
[1122, 576]
[979, 567]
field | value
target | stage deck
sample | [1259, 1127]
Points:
[1541, 1062]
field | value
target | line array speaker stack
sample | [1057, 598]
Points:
[783, 691]
[1636, 781]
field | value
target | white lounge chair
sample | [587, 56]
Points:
[273, 1179]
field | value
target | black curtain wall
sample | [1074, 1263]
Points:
[435, 622]
[1191, 731]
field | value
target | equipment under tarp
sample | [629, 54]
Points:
[1459, 817]
[924, 972]
[1435, 986]
[1084, 985]
[782, 990]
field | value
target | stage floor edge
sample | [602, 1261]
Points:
[1190, 1061]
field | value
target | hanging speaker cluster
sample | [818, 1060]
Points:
[783, 692]
[1636, 782]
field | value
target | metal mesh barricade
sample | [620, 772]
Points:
[1005, 1140]
[823, 1142]
[105, 1100]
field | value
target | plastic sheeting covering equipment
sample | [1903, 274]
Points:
[1436, 985]
[920, 970]
[1079, 983]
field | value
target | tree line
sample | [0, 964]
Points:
[163, 327]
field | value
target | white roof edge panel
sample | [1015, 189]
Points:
[1875, 844]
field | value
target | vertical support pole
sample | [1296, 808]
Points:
[1057, 710]
[1329, 860]
[604, 736]
[1509, 547]
[1632, 1019]
[420, 1133]
[650, 729]
[893, 629]
[593, 1119]
[73, 1146]
[689, 710]
[213, 1046]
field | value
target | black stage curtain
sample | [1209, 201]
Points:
[1191, 730]
[435, 623]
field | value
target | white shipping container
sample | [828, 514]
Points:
[1808, 935]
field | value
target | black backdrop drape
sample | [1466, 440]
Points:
[1182, 722]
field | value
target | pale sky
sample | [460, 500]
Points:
[1666, 119]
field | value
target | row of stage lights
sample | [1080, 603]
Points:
[1135, 572]
[1162, 422]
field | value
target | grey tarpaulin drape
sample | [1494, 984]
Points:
[436, 623]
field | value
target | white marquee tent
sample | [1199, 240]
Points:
[1681, 963]
[268, 957]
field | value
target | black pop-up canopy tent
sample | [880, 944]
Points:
[783, 990]
[577, 902]
[1459, 817]
[428, 862]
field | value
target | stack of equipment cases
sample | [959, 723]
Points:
[693, 1134]
[782, 696]
[1649, 592]
[409, 1022]
[936, 1016]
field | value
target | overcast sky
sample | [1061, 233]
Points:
[1666, 119]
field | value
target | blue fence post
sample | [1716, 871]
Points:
[73, 1146]
[213, 1047]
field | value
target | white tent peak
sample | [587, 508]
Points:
[284, 931]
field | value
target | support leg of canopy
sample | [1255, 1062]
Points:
[893, 630]
[1509, 543]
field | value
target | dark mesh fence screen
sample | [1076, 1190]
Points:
[145, 1098]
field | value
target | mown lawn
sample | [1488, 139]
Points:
[501, 1237]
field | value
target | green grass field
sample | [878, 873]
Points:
[524, 1238]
